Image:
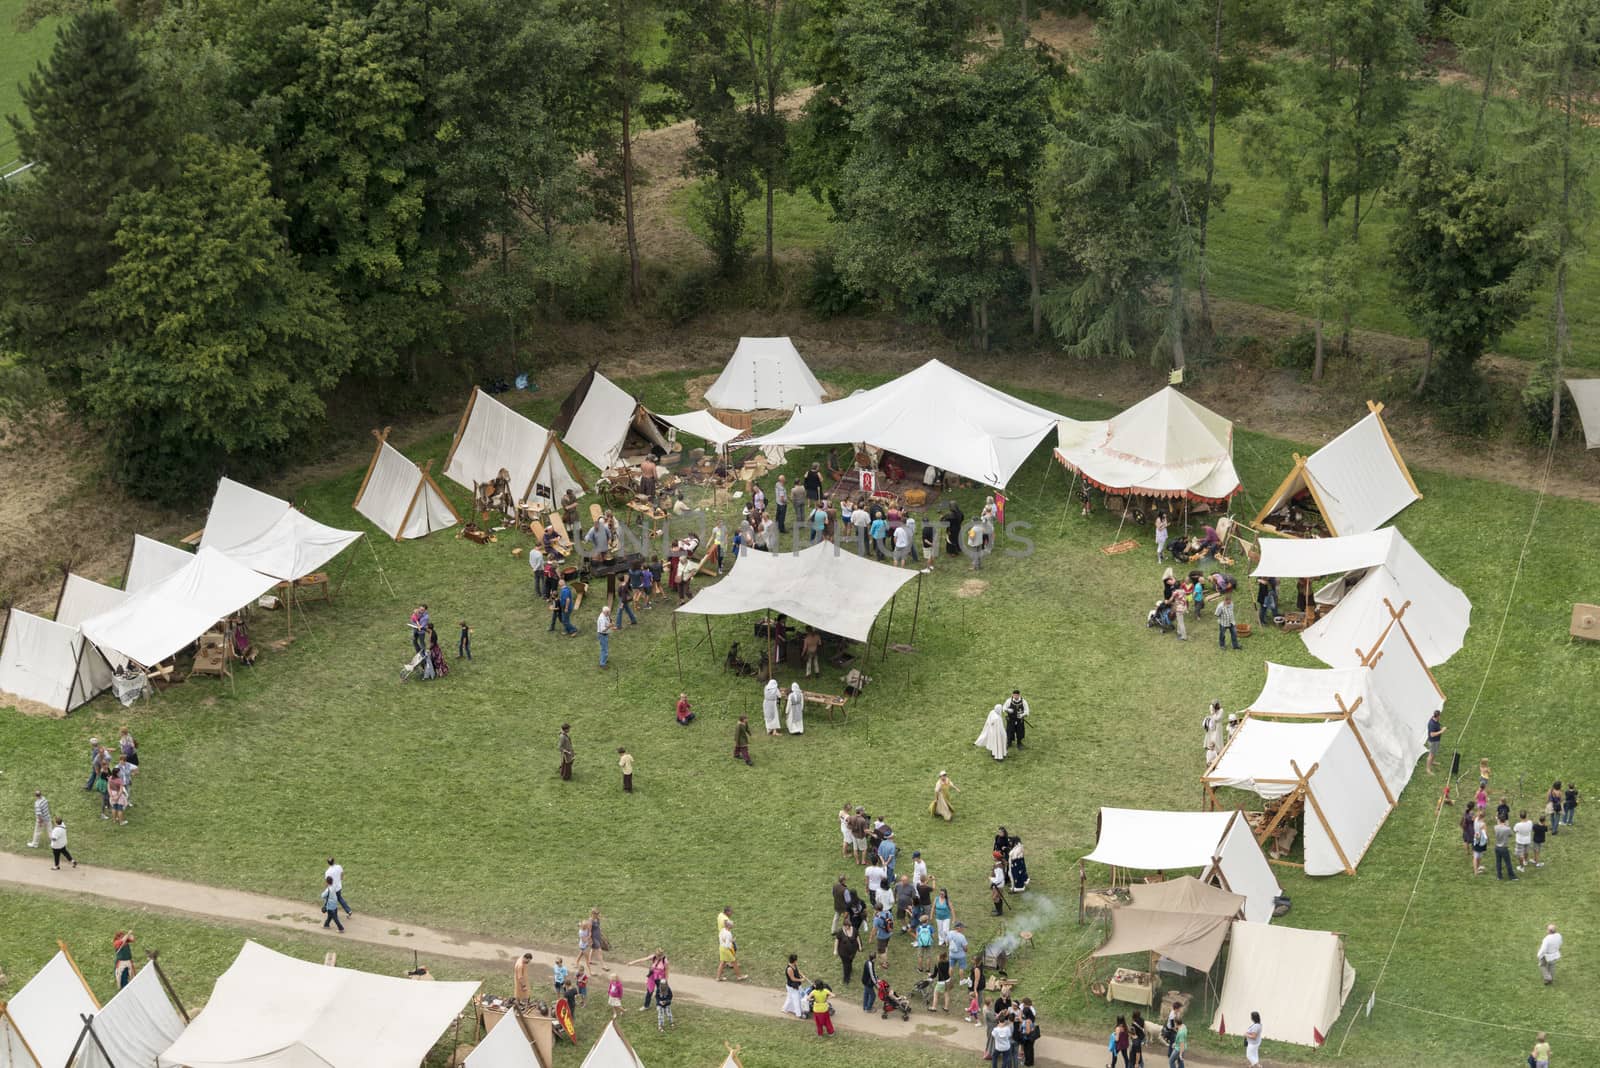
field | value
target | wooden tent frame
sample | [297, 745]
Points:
[1298, 476]
[422, 483]
[88, 1021]
[572, 470]
[5, 1013]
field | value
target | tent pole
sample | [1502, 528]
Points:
[350, 560]
[461, 427]
[127, 564]
[377, 450]
[66, 576]
[411, 505]
[77, 675]
[884, 655]
[709, 640]
[76, 1046]
[677, 650]
[65, 952]
[916, 607]
[88, 1029]
[151, 955]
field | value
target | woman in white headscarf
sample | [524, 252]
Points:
[797, 709]
[993, 737]
[769, 707]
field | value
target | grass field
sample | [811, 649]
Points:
[20, 53]
[442, 798]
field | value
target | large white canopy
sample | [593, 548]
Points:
[239, 514]
[1436, 613]
[150, 561]
[1296, 979]
[1219, 843]
[1358, 480]
[152, 625]
[703, 425]
[400, 499]
[45, 661]
[269, 1010]
[47, 1015]
[597, 418]
[82, 598]
[1165, 446]
[935, 415]
[612, 1051]
[505, 1046]
[1586, 396]
[266, 534]
[493, 436]
[134, 1028]
[822, 585]
[1346, 802]
[765, 372]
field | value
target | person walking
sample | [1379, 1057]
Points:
[821, 1014]
[940, 976]
[1004, 1055]
[1226, 628]
[625, 596]
[1539, 1056]
[793, 980]
[1180, 608]
[625, 762]
[519, 978]
[846, 944]
[41, 819]
[602, 630]
[1161, 536]
[1180, 1045]
[564, 745]
[780, 499]
[810, 646]
[330, 904]
[795, 710]
[336, 873]
[769, 708]
[58, 845]
[1252, 1041]
[563, 608]
[869, 982]
[940, 805]
[1502, 850]
[1549, 951]
[741, 741]
[727, 948]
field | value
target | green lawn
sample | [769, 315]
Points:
[20, 53]
[799, 221]
[442, 798]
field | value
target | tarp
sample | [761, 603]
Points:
[492, 436]
[48, 1013]
[597, 417]
[935, 415]
[765, 372]
[151, 561]
[265, 534]
[1296, 979]
[82, 598]
[1182, 919]
[239, 514]
[703, 425]
[505, 1046]
[1436, 617]
[1358, 480]
[150, 626]
[830, 589]
[1344, 788]
[134, 1027]
[45, 661]
[269, 1010]
[1151, 840]
[1586, 397]
[400, 499]
[612, 1051]
[1165, 446]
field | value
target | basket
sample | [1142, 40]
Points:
[916, 498]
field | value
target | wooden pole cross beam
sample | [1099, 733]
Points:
[1311, 799]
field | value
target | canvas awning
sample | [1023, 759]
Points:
[612, 1051]
[1218, 843]
[1586, 398]
[150, 626]
[705, 426]
[269, 1010]
[134, 1028]
[400, 498]
[1165, 446]
[266, 534]
[764, 372]
[45, 661]
[821, 585]
[40, 1024]
[492, 437]
[935, 415]
[1182, 919]
[1296, 979]
[1436, 613]
[150, 561]
[1357, 481]
[598, 416]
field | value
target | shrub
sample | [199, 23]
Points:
[1298, 351]
[686, 295]
[827, 293]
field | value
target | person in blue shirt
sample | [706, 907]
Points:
[560, 976]
[564, 599]
[879, 533]
[887, 851]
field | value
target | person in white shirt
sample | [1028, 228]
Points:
[536, 562]
[1212, 726]
[1004, 1055]
[1523, 830]
[780, 497]
[1252, 1041]
[58, 845]
[876, 874]
[902, 544]
[336, 873]
[602, 630]
[1549, 951]
[919, 868]
[41, 818]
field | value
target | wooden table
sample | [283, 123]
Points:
[1135, 987]
[829, 701]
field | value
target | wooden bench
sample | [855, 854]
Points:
[832, 702]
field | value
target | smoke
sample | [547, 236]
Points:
[1038, 913]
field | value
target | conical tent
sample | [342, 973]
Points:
[492, 437]
[765, 372]
[599, 420]
[1165, 446]
[400, 498]
[1355, 483]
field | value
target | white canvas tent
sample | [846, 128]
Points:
[1165, 446]
[492, 437]
[705, 426]
[821, 585]
[266, 534]
[1356, 483]
[934, 415]
[505, 1046]
[1296, 979]
[400, 498]
[49, 662]
[82, 598]
[612, 1051]
[150, 626]
[39, 1025]
[1398, 581]
[1320, 763]
[150, 561]
[765, 372]
[1586, 397]
[599, 417]
[1218, 843]
[133, 1029]
[269, 1010]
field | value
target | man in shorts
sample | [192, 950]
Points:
[1435, 733]
[858, 832]
[1522, 834]
[958, 950]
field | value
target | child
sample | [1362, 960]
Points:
[663, 1006]
[625, 762]
[614, 995]
[1482, 798]
[924, 943]
[1502, 811]
[685, 711]
[1540, 1057]
[559, 971]
[464, 643]
[583, 989]
[1569, 805]
[117, 791]
[569, 994]
[973, 1009]
[1483, 772]
[1540, 829]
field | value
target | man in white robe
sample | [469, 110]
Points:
[796, 710]
[993, 737]
[769, 706]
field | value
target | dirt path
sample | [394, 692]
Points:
[32, 872]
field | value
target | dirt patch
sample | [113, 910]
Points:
[972, 587]
[30, 708]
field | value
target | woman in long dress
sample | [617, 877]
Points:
[941, 798]
[993, 737]
[797, 709]
[769, 707]
[1019, 866]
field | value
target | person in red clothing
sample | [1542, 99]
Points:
[819, 1009]
[685, 713]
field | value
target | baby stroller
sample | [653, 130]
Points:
[1160, 616]
[413, 667]
[924, 990]
[889, 1001]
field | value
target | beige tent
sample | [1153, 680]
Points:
[1586, 396]
[48, 662]
[1296, 979]
[39, 1026]
[764, 372]
[150, 561]
[491, 438]
[1165, 446]
[1182, 919]
[400, 498]
[612, 1051]
[1355, 483]
[600, 422]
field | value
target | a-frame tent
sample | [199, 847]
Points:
[150, 561]
[400, 498]
[492, 437]
[612, 1051]
[49, 662]
[39, 1026]
[600, 421]
[1354, 484]
[136, 1026]
[1586, 398]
